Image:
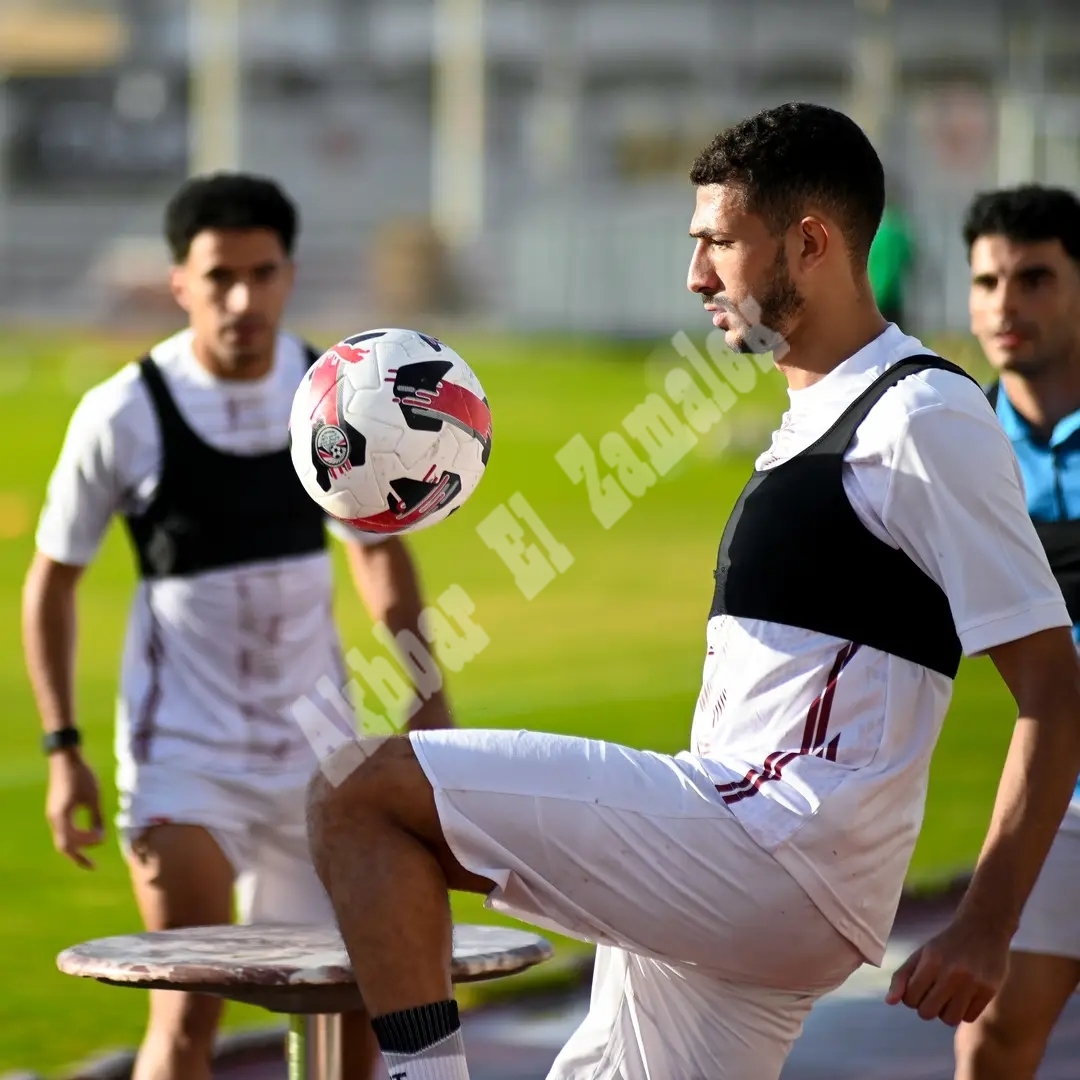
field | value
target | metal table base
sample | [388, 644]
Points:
[315, 1047]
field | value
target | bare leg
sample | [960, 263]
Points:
[359, 1049]
[181, 878]
[381, 855]
[1008, 1041]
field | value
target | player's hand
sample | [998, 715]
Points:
[954, 976]
[73, 788]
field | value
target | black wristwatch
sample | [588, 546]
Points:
[64, 739]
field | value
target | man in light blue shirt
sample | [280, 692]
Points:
[1024, 250]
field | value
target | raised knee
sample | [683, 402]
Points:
[338, 785]
[319, 795]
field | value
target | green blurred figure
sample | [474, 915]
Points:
[891, 255]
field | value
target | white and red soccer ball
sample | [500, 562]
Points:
[390, 431]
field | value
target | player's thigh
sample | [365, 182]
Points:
[1044, 964]
[651, 1019]
[625, 848]
[1037, 987]
[181, 876]
[183, 835]
[1011, 1034]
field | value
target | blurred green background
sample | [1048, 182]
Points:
[611, 648]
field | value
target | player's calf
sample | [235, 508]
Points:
[179, 1040]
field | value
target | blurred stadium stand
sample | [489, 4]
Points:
[592, 112]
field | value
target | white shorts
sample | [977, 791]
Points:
[258, 824]
[1050, 923]
[711, 955]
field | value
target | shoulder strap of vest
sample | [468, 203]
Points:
[168, 414]
[311, 353]
[992, 394]
[836, 439]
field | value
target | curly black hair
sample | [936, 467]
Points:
[795, 156]
[228, 201]
[1025, 215]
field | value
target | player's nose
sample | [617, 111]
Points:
[701, 277]
[238, 300]
[1005, 300]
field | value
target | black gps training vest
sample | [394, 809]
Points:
[1061, 542]
[794, 552]
[214, 509]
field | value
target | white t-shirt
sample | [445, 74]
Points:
[211, 661]
[929, 471]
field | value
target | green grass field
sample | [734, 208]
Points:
[611, 648]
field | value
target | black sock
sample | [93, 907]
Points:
[412, 1031]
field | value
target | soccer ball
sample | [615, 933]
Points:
[390, 431]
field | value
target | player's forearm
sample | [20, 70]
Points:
[49, 633]
[1036, 786]
[386, 579]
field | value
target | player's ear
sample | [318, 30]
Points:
[178, 285]
[813, 240]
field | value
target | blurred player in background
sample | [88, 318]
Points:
[1024, 249]
[889, 264]
[232, 619]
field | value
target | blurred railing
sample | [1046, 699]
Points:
[593, 111]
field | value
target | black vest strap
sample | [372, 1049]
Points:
[172, 425]
[794, 552]
[214, 509]
[837, 438]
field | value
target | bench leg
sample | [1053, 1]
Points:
[315, 1048]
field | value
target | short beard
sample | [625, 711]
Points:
[1031, 367]
[780, 301]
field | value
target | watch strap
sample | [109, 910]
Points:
[63, 739]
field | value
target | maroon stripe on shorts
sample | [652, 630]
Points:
[146, 724]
